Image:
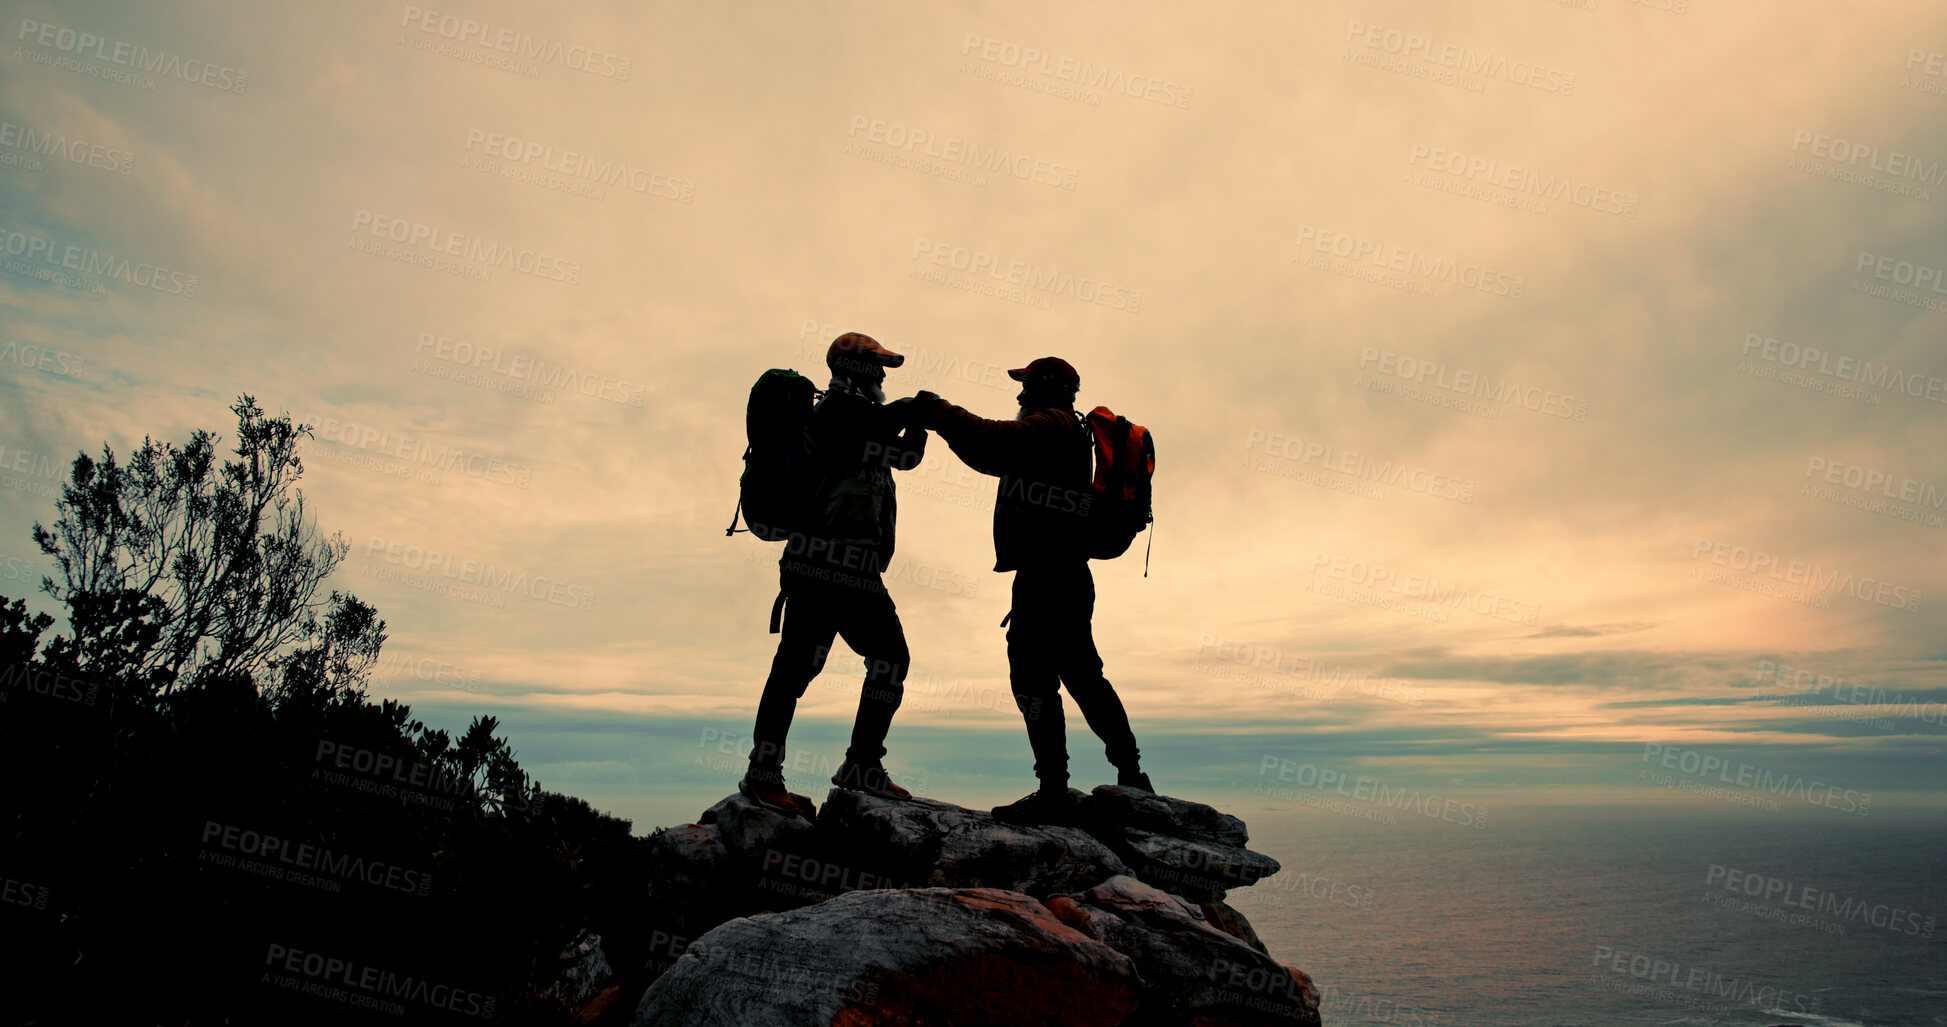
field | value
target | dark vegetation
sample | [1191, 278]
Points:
[203, 727]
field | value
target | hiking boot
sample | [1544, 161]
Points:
[1134, 779]
[771, 795]
[1045, 806]
[872, 780]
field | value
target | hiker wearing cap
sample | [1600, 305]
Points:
[1042, 457]
[830, 575]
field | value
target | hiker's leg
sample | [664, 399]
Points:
[1031, 670]
[804, 640]
[1081, 671]
[873, 631]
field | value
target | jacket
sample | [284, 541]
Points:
[1045, 469]
[852, 514]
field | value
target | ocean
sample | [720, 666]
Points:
[1606, 915]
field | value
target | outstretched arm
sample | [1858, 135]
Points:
[998, 447]
[902, 441]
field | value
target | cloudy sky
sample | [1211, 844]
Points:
[1543, 390]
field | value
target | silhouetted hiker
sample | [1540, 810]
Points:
[829, 575]
[1043, 462]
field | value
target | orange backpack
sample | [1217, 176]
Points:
[1118, 507]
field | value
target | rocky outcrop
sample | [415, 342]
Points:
[1177, 845]
[1162, 814]
[929, 843]
[1190, 970]
[910, 956]
[875, 911]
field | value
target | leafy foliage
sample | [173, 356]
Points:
[202, 780]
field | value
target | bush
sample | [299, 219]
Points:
[203, 787]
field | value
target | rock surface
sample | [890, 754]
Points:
[584, 970]
[1218, 914]
[887, 912]
[745, 826]
[1199, 974]
[929, 843]
[1197, 869]
[929, 955]
[1163, 814]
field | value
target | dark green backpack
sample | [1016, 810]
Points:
[780, 460]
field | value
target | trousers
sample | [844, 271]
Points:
[818, 610]
[1050, 645]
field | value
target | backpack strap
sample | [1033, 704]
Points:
[739, 512]
[777, 613]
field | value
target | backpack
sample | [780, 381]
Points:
[1118, 508]
[779, 459]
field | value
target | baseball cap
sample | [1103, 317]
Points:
[858, 351]
[1053, 367]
